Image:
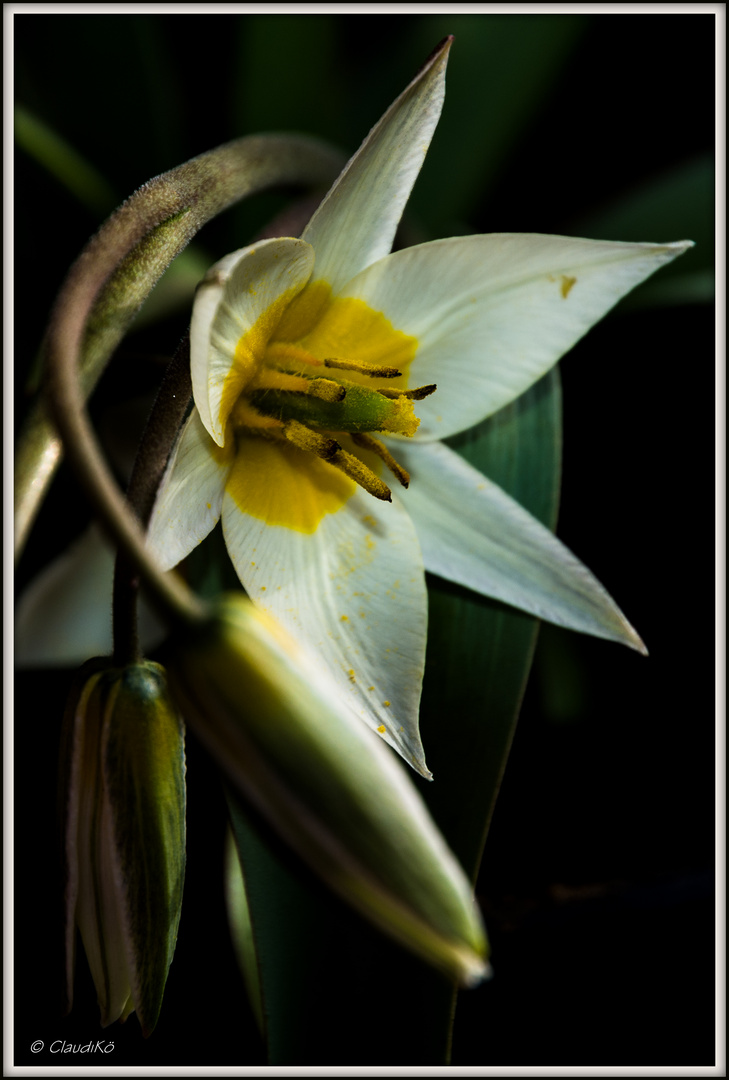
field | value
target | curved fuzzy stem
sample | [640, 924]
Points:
[126, 258]
[175, 601]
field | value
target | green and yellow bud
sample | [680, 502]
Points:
[326, 783]
[122, 798]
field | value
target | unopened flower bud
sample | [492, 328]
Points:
[123, 810]
[273, 719]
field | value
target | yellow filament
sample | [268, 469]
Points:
[245, 416]
[369, 442]
[272, 379]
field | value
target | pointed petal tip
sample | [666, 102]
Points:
[414, 759]
[626, 635]
[631, 637]
[440, 51]
[612, 627]
[679, 247]
[409, 748]
[639, 646]
[418, 763]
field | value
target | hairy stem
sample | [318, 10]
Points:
[122, 263]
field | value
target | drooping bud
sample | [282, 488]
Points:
[122, 796]
[327, 784]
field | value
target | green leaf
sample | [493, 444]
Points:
[241, 930]
[333, 989]
[479, 650]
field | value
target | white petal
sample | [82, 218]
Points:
[64, 615]
[357, 221]
[190, 495]
[244, 294]
[492, 314]
[352, 592]
[473, 533]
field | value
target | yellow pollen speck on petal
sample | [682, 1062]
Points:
[351, 675]
[209, 506]
[345, 618]
[386, 704]
[370, 687]
[382, 729]
[276, 482]
[567, 283]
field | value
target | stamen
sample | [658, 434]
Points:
[326, 389]
[330, 451]
[311, 441]
[356, 470]
[371, 370]
[369, 442]
[273, 379]
[416, 394]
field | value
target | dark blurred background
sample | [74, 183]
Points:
[597, 880]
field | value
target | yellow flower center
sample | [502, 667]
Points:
[304, 394]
